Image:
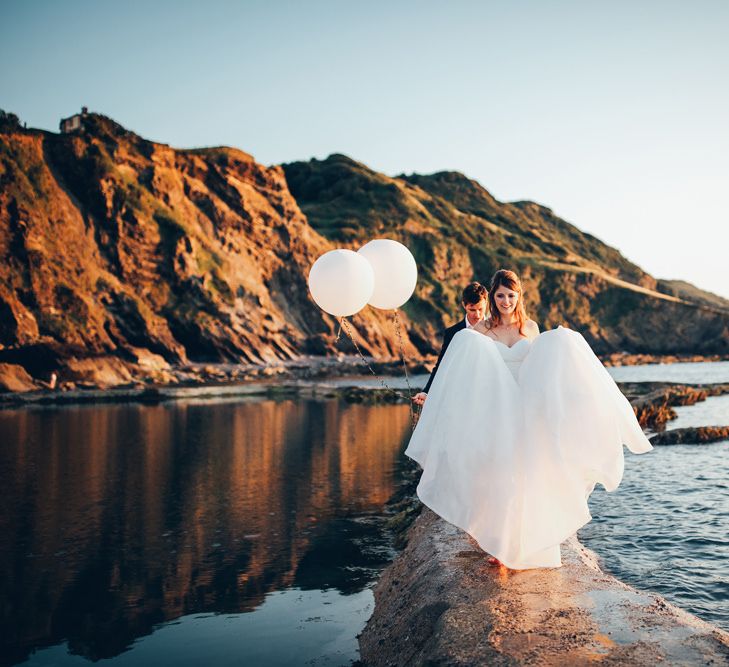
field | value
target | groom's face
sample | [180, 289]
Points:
[475, 312]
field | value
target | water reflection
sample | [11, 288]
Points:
[114, 519]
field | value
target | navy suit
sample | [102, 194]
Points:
[447, 337]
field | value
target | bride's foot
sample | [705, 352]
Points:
[493, 561]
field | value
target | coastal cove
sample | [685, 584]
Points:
[221, 506]
[325, 328]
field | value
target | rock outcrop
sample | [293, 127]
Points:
[15, 378]
[653, 402]
[691, 435]
[114, 245]
[440, 603]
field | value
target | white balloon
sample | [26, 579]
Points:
[396, 272]
[341, 282]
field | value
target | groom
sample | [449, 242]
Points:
[475, 303]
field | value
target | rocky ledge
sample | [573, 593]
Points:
[440, 603]
[653, 402]
[692, 435]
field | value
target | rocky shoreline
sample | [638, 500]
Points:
[439, 602]
[151, 370]
[111, 373]
[328, 378]
[343, 378]
[653, 402]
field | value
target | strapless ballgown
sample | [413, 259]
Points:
[512, 441]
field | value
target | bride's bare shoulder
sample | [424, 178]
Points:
[531, 328]
[482, 326]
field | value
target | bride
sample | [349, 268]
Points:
[517, 429]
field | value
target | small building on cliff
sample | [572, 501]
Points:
[75, 122]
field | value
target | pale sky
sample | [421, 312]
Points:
[614, 114]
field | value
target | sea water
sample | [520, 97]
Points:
[251, 531]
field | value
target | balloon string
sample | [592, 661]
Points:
[398, 331]
[346, 326]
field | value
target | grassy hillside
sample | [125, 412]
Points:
[458, 232]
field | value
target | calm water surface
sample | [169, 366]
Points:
[250, 531]
[236, 532]
[714, 411]
[690, 372]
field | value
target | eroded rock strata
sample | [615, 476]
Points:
[136, 256]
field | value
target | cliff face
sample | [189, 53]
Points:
[138, 255]
[113, 245]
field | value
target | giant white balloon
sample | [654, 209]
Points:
[395, 272]
[341, 282]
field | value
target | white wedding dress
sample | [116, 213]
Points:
[512, 441]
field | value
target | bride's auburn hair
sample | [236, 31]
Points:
[508, 279]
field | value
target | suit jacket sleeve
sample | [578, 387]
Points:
[447, 336]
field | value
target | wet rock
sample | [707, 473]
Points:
[15, 378]
[653, 403]
[691, 436]
[374, 396]
[99, 372]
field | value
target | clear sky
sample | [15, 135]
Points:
[614, 114]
